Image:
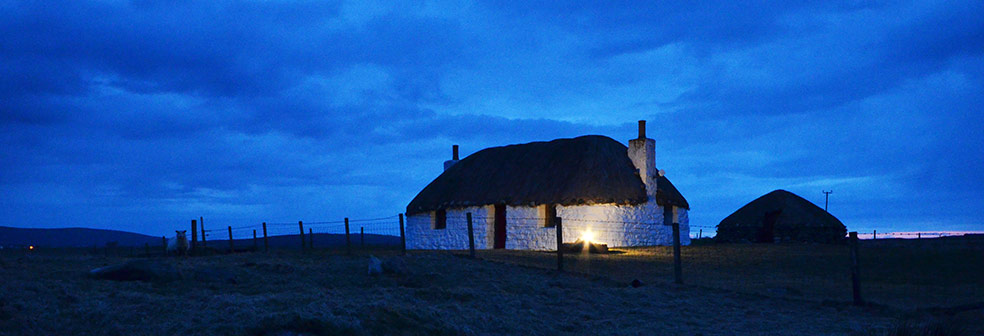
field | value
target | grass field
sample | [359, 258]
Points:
[326, 293]
[903, 274]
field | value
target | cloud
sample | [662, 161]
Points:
[162, 110]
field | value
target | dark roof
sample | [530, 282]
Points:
[590, 169]
[794, 216]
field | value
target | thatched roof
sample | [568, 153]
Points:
[590, 169]
[794, 218]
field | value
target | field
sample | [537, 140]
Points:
[903, 274]
[731, 289]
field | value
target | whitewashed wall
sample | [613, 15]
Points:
[633, 225]
[454, 236]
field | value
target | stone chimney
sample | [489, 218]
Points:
[454, 157]
[642, 152]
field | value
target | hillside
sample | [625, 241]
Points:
[83, 237]
[71, 237]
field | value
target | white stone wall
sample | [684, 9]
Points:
[420, 235]
[615, 225]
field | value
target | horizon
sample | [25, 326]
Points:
[160, 112]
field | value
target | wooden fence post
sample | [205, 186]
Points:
[231, 249]
[700, 233]
[256, 245]
[266, 244]
[311, 239]
[362, 236]
[874, 234]
[471, 236]
[855, 269]
[348, 240]
[300, 225]
[194, 236]
[201, 224]
[560, 244]
[918, 235]
[403, 238]
[677, 264]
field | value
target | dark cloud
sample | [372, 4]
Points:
[142, 114]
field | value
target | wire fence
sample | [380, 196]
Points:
[935, 272]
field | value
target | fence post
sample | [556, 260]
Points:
[311, 239]
[918, 235]
[300, 225]
[231, 249]
[201, 224]
[256, 246]
[194, 236]
[403, 238]
[855, 269]
[560, 244]
[700, 233]
[471, 236]
[362, 236]
[266, 244]
[677, 264]
[348, 240]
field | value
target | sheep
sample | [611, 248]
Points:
[179, 244]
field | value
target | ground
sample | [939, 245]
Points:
[323, 293]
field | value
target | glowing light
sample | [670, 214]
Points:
[587, 236]
[30, 247]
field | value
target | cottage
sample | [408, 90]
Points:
[601, 189]
[780, 216]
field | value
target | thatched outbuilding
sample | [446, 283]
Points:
[593, 182]
[780, 216]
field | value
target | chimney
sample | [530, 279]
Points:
[642, 152]
[454, 157]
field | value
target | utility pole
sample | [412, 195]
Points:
[826, 198]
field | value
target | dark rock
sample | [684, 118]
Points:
[275, 268]
[395, 265]
[215, 276]
[147, 270]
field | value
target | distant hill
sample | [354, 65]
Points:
[83, 237]
[71, 237]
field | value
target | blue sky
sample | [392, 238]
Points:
[140, 115]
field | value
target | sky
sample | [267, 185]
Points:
[141, 115]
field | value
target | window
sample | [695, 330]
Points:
[439, 220]
[548, 212]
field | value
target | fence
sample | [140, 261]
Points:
[889, 271]
[304, 235]
[902, 273]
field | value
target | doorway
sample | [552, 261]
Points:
[768, 231]
[500, 227]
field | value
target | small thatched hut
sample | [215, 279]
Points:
[780, 216]
[515, 192]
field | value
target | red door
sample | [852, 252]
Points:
[500, 226]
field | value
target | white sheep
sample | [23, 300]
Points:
[179, 244]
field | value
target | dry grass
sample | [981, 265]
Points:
[903, 276]
[322, 293]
